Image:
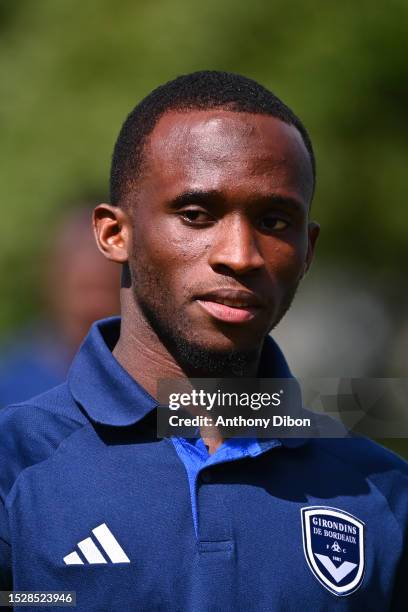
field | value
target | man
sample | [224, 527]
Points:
[80, 286]
[211, 186]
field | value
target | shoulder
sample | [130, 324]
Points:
[363, 454]
[31, 431]
[386, 472]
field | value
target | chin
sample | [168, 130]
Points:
[222, 344]
[235, 339]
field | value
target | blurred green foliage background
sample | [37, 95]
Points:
[71, 70]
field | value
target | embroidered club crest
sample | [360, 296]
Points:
[333, 543]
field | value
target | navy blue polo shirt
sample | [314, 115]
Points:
[91, 501]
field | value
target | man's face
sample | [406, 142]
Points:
[220, 233]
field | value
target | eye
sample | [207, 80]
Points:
[195, 216]
[272, 223]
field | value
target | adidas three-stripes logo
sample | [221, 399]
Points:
[93, 554]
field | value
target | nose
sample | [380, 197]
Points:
[235, 247]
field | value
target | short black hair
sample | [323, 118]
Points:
[203, 90]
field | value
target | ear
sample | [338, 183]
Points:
[313, 234]
[112, 232]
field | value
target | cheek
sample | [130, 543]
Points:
[170, 255]
[167, 243]
[285, 260]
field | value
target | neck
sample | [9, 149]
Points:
[144, 356]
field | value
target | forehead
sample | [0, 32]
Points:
[225, 151]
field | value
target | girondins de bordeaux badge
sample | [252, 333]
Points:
[333, 543]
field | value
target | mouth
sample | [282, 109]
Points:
[231, 306]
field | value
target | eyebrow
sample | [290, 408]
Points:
[196, 197]
[213, 196]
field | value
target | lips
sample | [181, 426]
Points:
[230, 306]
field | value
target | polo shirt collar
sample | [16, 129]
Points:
[99, 384]
[110, 396]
